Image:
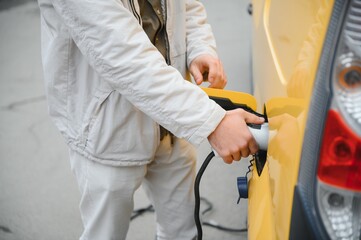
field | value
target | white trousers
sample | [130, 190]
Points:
[107, 193]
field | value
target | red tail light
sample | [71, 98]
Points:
[340, 160]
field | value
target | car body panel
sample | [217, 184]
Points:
[288, 39]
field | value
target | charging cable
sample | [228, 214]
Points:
[214, 224]
[197, 196]
[198, 199]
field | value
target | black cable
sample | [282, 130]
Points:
[136, 213]
[198, 199]
[209, 204]
[250, 166]
[215, 225]
[197, 195]
[220, 227]
[140, 211]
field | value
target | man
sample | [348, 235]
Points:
[114, 72]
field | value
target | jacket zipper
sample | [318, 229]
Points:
[135, 13]
[166, 33]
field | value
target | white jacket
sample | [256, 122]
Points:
[108, 87]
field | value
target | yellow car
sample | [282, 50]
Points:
[307, 73]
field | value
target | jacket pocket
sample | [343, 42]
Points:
[92, 114]
[118, 131]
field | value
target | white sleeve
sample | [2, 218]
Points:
[200, 39]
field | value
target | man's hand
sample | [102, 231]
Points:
[207, 64]
[232, 138]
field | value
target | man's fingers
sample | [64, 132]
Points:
[251, 118]
[197, 75]
[208, 64]
[236, 156]
[227, 159]
[232, 139]
[253, 147]
[216, 75]
[213, 72]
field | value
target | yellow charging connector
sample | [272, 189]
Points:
[236, 98]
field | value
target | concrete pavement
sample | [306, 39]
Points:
[38, 194]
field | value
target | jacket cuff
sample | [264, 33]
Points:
[208, 127]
